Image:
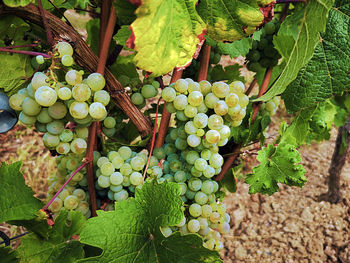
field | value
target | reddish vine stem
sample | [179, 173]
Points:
[228, 162]
[284, 12]
[24, 52]
[263, 89]
[106, 4]
[164, 123]
[20, 46]
[90, 169]
[152, 142]
[63, 186]
[204, 64]
[46, 24]
[251, 87]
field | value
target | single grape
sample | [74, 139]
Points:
[45, 96]
[73, 77]
[79, 110]
[148, 91]
[211, 100]
[66, 135]
[220, 89]
[231, 100]
[55, 127]
[237, 87]
[67, 60]
[103, 181]
[137, 98]
[16, 101]
[221, 108]
[39, 79]
[200, 164]
[64, 93]
[96, 81]
[102, 96]
[40, 59]
[64, 48]
[195, 184]
[125, 152]
[71, 202]
[195, 210]
[78, 146]
[205, 87]
[215, 122]
[181, 85]
[193, 140]
[97, 111]
[81, 92]
[120, 196]
[30, 107]
[166, 231]
[136, 178]
[193, 226]
[195, 98]
[109, 122]
[57, 111]
[216, 160]
[56, 205]
[180, 102]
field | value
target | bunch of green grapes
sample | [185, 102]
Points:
[271, 106]
[147, 91]
[75, 195]
[50, 103]
[121, 171]
[263, 54]
[193, 69]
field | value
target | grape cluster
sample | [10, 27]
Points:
[147, 91]
[74, 196]
[263, 54]
[271, 106]
[121, 171]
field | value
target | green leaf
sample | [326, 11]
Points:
[166, 34]
[122, 36]
[229, 181]
[230, 20]
[131, 233]
[277, 165]
[228, 73]
[93, 28]
[296, 41]
[125, 12]
[16, 199]
[18, 67]
[8, 255]
[15, 3]
[58, 247]
[124, 66]
[327, 73]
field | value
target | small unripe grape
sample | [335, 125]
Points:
[67, 60]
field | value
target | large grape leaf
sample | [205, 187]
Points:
[13, 76]
[229, 20]
[296, 41]
[328, 72]
[58, 247]
[7, 255]
[277, 165]
[15, 3]
[16, 199]
[166, 34]
[131, 233]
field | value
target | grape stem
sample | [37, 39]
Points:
[164, 123]
[104, 20]
[12, 238]
[152, 143]
[24, 52]
[46, 24]
[45, 208]
[204, 64]
[251, 86]
[20, 46]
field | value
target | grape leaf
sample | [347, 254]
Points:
[92, 27]
[328, 72]
[125, 12]
[15, 3]
[229, 73]
[166, 34]
[277, 165]
[57, 247]
[16, 199]
[122, 36]
[18, 67]
[131, 233]
[296, 41]
[7, 255]
[230, 20]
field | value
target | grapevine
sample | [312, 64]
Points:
[146, 133]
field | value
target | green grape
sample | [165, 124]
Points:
[39, 79]
[50, 140]
[180, 102]
[30, 107]
[207, 187]
[44, 116]
[155, 84]
[190, 111]
[120, 196]
[168, 94]
[64, 48]
[270, 28]
[64, 93]
[66, 135]
[55, 127]
[215, 122]
[125, 152]
[180, 176]
[265, 62]
[190, 128]
[97, 111]
[200, 164]
[193, 86]
[253, 56]
[193, 226]
[112, 154]
[82, 132]
[137, 98]
[202, 108]
[212, 136]
[136, 178]
[63, 148]
[102, 96]
[109, 122]
[195, 184]
[116, 178]
[233, 111]
[83, 207]
[109, 132]
[205, 154]
[78, 146]
[254, 66]
[195, 210]
[263, 43]
[181, 85]
[211, 100]
[67, 60]
[115, 188]
[30, 91]
[103, 181]
[170, 107]
[221, 108]
[193, 140]
[73, 77]
[203, 222]
[166, 231]
[206, 210]
[107, 169]
[71, 202]
[56, 205]
[137, 163]
[237, 87]
[57, 111]
[270, 106]
[159, 153]
[45, 96]
[191, 157]
[205, 87]
[148, 91]
[180, 115]
[200, 120]
[96, 81]
[101, 161]
[216, 160]
[220, 89]
[41, 127]
[270, 52]
[195, 98]
[215, 217]
[16, 101]
[40, 59]
[81, 92]
[231, 100]
[225, 132]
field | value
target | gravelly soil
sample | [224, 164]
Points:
[292, 226]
